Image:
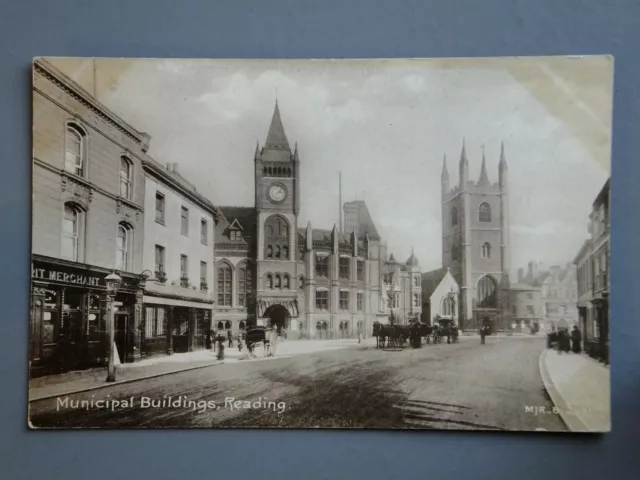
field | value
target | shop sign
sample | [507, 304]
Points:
[69, 275]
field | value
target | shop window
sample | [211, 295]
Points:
[51, 315]
[155, 322]
[93, 318]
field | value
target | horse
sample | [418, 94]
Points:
[256, 335]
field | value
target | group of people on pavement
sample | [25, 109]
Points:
[564, 340]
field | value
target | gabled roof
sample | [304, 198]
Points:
[244, 217]
[431, 280]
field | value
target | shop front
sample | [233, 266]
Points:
[69, 321]
[174, 325]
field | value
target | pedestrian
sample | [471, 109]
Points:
[483, 333]
[273, 341]
[576, 339]
[207, 340]
[230, 338]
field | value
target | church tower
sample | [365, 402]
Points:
[475, 243]
[277, 203]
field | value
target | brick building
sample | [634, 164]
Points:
[592, 263]
[88, 197]
[312, 283]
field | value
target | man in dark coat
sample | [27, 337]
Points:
[483, 334]
[576, 340]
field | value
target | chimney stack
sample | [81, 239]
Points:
[520, 275]
[167, 166]
[175, 167]
[530, 271]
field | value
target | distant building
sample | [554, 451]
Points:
[311, 283]
[475, 243]
[527, 311]
[440, 294]
[558, 292]
[592, 262]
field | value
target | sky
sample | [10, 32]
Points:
[386, 125]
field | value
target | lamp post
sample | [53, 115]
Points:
[391, 295]
[113, 282]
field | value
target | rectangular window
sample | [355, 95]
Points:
[203, 231]
[184, 221]
[360, 301]
[244, 284]
[322, 299]
[322, 266]
[344, 267]
[184, 278]
[514, 309]
[125, 178]
[159, 208]
[344, 300]
[416, 299]
[155, 322]
[530, 296]
[159, 260]
[224, 286]
[530, 310]
[235, 235]
[360, 271]
[203, 276]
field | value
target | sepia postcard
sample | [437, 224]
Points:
[384, 243]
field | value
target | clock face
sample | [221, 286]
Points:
[277, 193]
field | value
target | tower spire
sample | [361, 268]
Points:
[463, 154]
[445, 171]
[276, 137]
[484, 178]
[464, 166]
[503, 159]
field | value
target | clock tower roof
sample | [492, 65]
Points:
[276, 138]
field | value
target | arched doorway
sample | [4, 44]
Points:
[319, 329]
[278, 316]
[325, 330]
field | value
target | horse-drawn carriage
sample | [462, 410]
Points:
[256, 335]
[444, 328]
[395, 336]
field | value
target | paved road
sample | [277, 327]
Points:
[462, 386]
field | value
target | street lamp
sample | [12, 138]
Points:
[113, 282]
[391, 295]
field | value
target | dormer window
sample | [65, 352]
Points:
[235, 234]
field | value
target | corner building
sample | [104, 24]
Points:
[88, 197]
[311, 283]
[475, 243]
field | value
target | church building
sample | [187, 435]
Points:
[475, 243]
[311, 283]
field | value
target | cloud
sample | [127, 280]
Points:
[385, 129]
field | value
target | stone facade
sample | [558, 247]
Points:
[527, 311]
[88, 197]
[312, 283]
[440, 297]
[475, 243]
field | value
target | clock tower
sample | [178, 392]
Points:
[277, 203]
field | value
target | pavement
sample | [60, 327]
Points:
[580, 389]
[93, 379]
[459, 386]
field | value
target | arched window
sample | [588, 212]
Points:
[224, 285]
[123, 247]
[448, 306]
[245, 278]
[484, 212]
[269, 281]
[454, 216]
[75, 150]
[455, 253]
[301, 283]
[72, 231]
[269, 251]
[287, 282]
[486, 250]
[276, 235]
[220, 325]
[227, 325]
[487, 292]
[126, 174]
[242, 325]
[278, 283]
